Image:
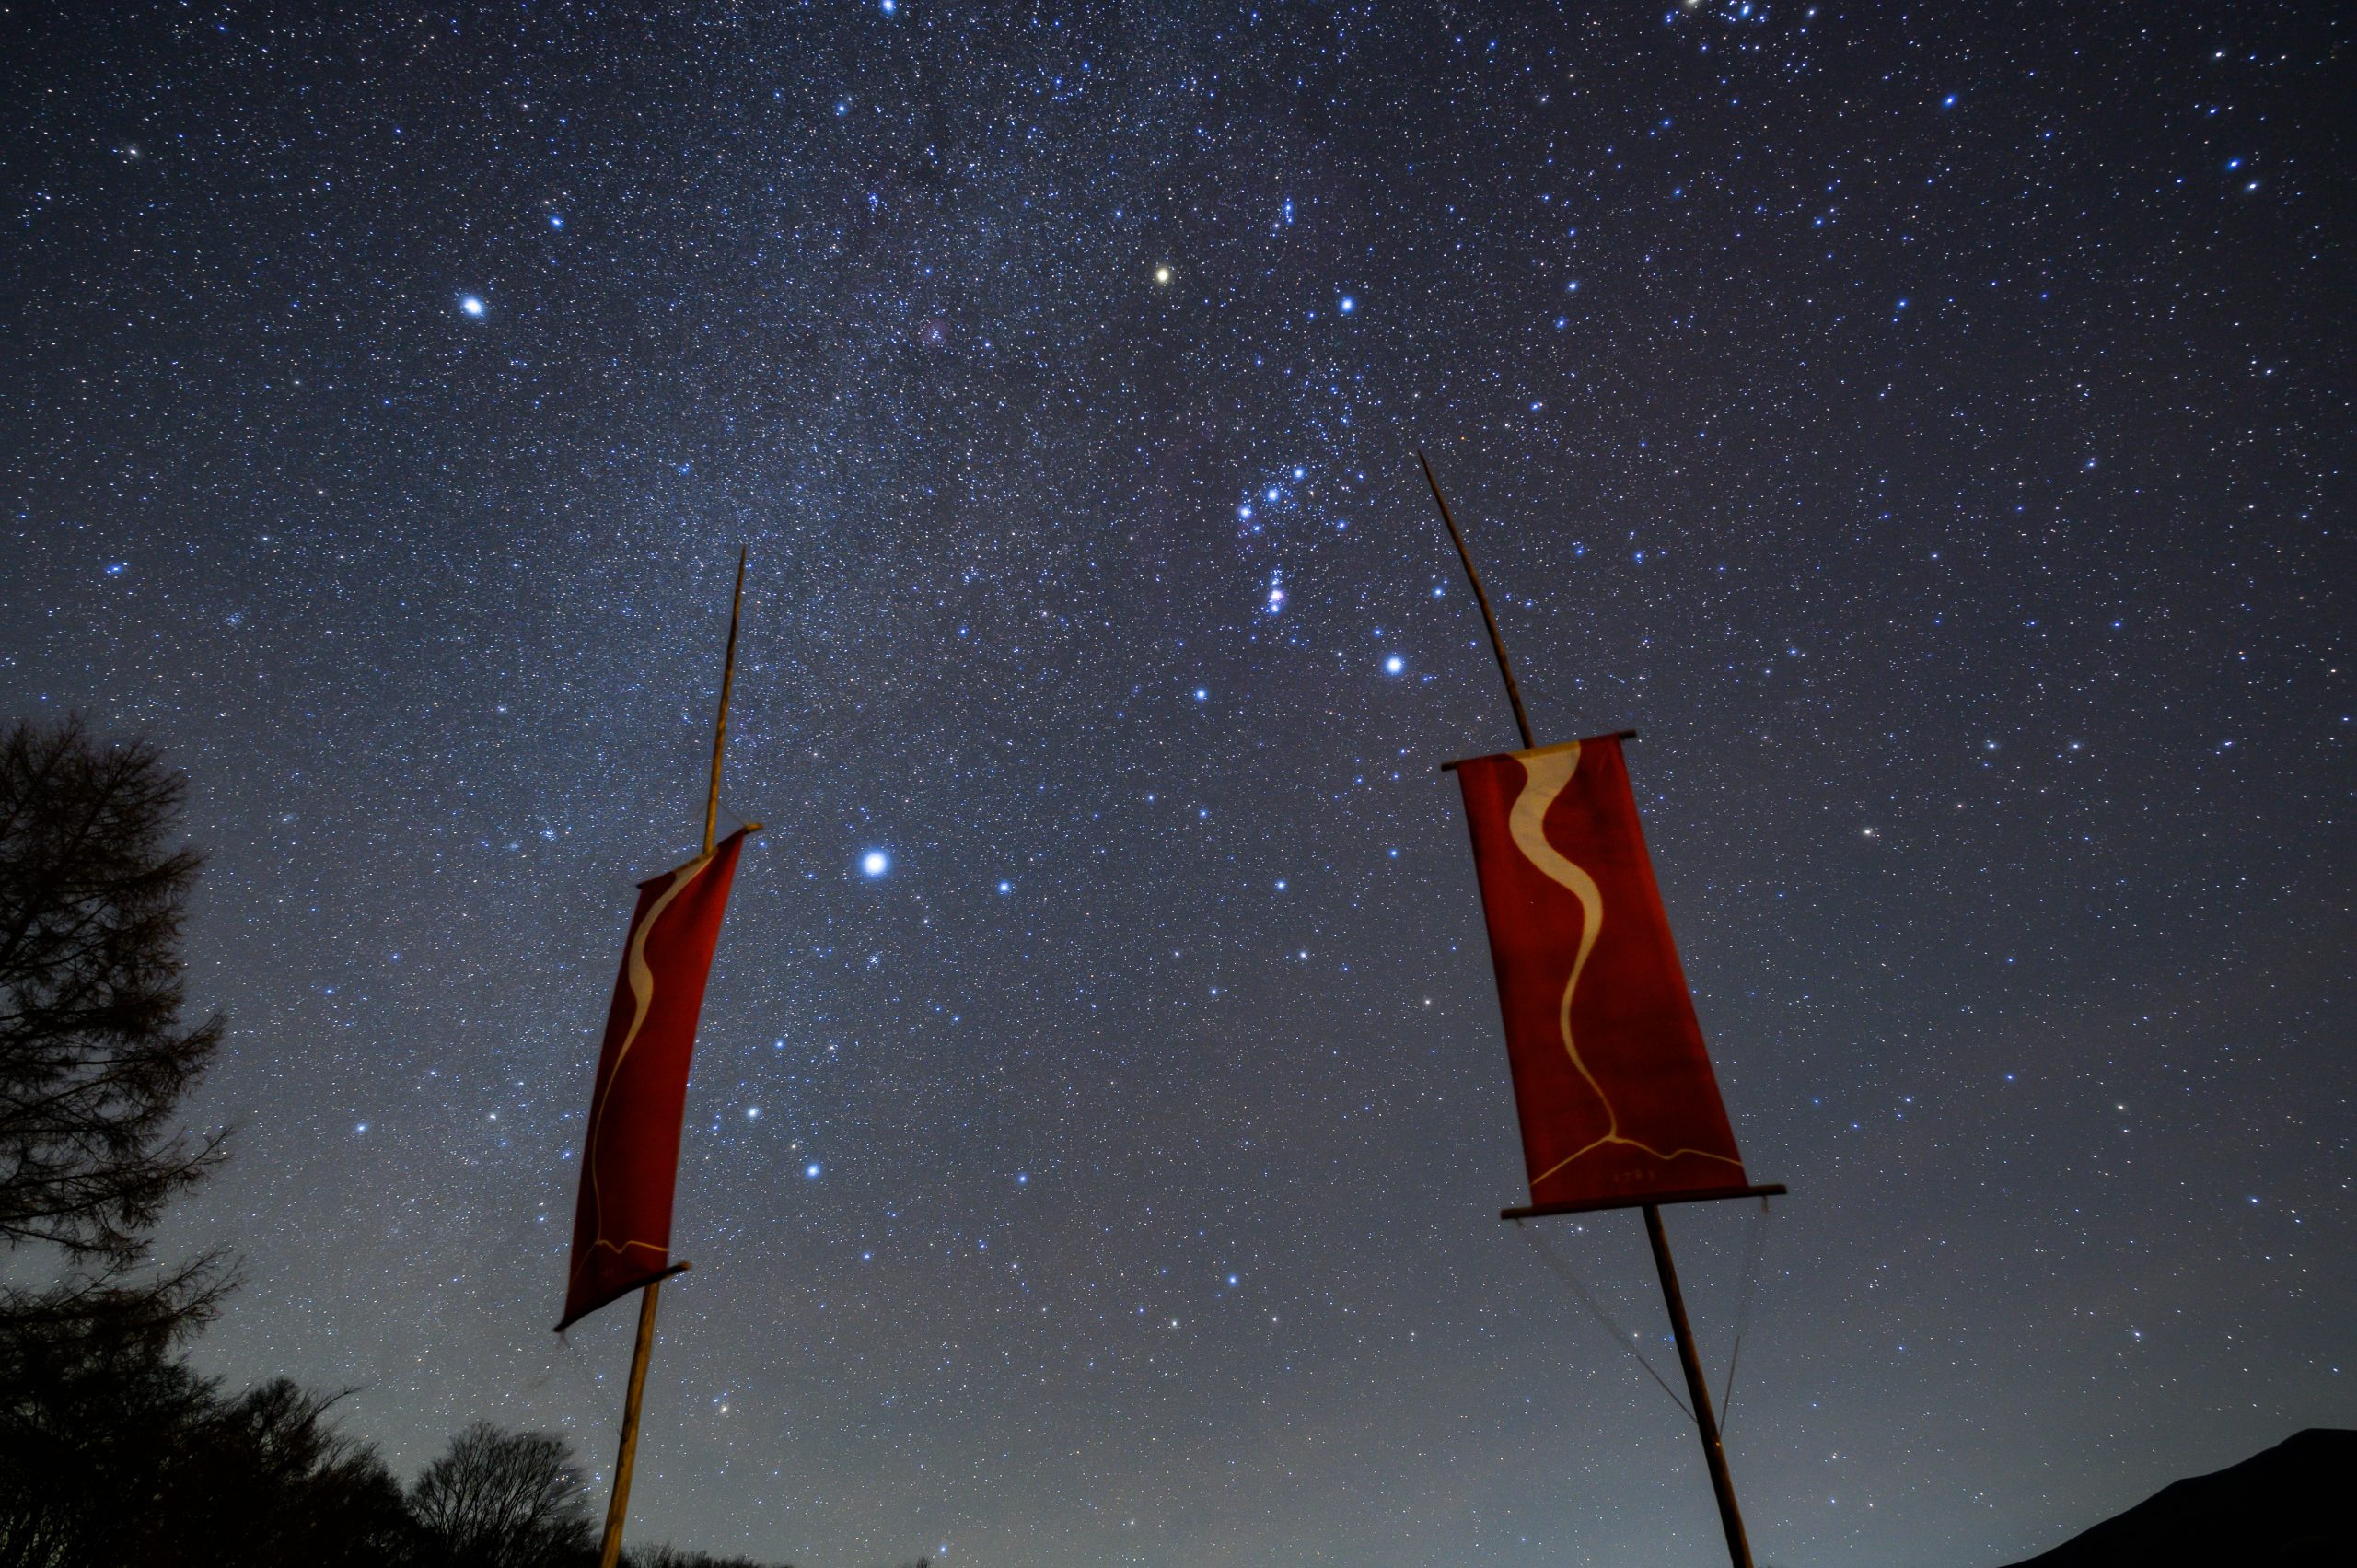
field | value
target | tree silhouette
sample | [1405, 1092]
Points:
[113, 1451]
[668, 1556]
[92, 1412]
[94, 1060]
[266, 1477]
[502, 1500]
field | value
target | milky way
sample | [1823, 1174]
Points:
[1928, 429]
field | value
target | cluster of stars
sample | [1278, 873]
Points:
[1060, 374]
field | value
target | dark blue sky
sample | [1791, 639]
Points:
[1928, 427]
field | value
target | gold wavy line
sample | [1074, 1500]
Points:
[1545, 776]
[642, 987]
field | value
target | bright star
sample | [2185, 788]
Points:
[470, 304]
[876, 863]
[1347, 305]
[1394, 665]
[811, 1171]
[1202, 695]
[1006, 887]
[1162, 276]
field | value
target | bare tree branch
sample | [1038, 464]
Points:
[94, 1058]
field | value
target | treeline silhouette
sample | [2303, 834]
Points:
[114, 1451]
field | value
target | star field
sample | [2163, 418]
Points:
[1928, 430]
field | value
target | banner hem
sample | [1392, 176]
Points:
[1685, 1195]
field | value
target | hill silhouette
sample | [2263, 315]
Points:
[2287, 1507]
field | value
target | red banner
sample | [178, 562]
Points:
[1610, 1079]
[630, 1161]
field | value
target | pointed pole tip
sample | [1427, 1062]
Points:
[1481, 598]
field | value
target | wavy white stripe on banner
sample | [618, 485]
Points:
[1545, 776]
[642, 989]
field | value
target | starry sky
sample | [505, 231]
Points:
[1927, 425]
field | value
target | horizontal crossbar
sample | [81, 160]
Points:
[1616, 735]
[1692, 1195]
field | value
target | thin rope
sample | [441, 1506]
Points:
[1562, 1270]
[1755, 1247]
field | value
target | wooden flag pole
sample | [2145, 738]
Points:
[1481, 598]
[720, 723]
[610, 1549]
[1713, 1452]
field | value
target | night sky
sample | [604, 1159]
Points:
[1927, 426]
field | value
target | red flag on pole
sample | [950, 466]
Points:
[630, 1159]
[1612, 1085]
